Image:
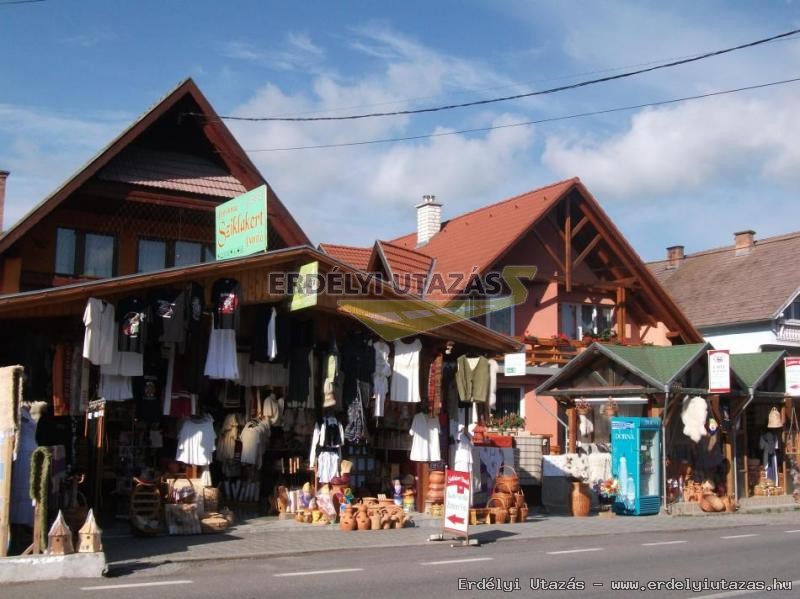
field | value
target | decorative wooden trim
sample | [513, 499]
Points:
[582, 256]
[568, 244]
[581, 224]
[549, 250]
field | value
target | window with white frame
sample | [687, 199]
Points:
[578, 320]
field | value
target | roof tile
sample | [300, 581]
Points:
[717, 287]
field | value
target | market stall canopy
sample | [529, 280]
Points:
[253, 274]
[762, 373]
[604, 370]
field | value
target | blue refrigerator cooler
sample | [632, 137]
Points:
[636, 464]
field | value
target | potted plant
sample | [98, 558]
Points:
[607, 490]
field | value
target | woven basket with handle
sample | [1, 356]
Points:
[506, 483]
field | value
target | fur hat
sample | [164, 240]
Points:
[693, 416]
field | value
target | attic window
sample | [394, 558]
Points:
[792, 311]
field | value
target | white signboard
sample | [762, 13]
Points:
[719, 371]
[792, 366]
[514, 364]
[456, 502]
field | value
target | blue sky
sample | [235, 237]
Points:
[77, 72]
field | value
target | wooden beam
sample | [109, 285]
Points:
[568, 245]
[549, 250]
[582, 256]
[621, 311]
[553, 222]
[581, 224]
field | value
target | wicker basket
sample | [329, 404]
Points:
[214, 523]
[506, 483]
[498, 510]
[507, 500]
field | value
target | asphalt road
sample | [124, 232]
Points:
[589, 565]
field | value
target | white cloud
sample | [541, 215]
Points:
[296, 52]
[42, 149]
[90, 39]
[368, 192]
[686, 148]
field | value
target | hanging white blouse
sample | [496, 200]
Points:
[405, 372]
[380, 380]
[101, 331]
[425, 443]
[196, 441]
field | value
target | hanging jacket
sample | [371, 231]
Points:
[473, 383]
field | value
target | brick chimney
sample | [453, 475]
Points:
[3, 177]
[429, 219]
[744, 242]
[674, 256]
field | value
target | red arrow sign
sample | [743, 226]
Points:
[455, 519]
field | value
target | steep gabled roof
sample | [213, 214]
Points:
[717, 287]
[754, 368]
[409, 269]
[357, 257]
[229, 151]
[478, 238]
[658, 366]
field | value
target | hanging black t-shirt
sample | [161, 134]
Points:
[148, 389]
[132, 321]
[196, 339]
[226, 296]
[166, 307]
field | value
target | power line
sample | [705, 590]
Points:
[516, 96]
[6, 2]
[468, 91]
[536, 122]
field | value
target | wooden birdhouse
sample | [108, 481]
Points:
[59, 539]
[89, 536]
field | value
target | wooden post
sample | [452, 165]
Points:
[572, 430]
[621, 312]
[568, 246]
[6, 461]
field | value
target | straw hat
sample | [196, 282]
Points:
[775, 419]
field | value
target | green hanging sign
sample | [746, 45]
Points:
[241, 225]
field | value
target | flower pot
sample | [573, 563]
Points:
[580, 500]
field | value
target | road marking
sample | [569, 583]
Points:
[791, 531]
[575, 551]
[458, 561]
[663, 543]
[315, 572]
[108, 587]
[735, 593]
[739, 536]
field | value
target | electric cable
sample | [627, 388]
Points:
[534, 122]
[512, 97]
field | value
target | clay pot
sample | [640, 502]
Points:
[705, 504]
[347, 521]
[362, 519]
[375, 521]
[730, 503]
[716, 503]
[580, 500]
[436, 477]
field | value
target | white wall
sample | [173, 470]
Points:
[743, 343]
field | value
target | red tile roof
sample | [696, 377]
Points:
[409, 268]
[171, 170]
[478, 238]
[356, 257]
[717, 287]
